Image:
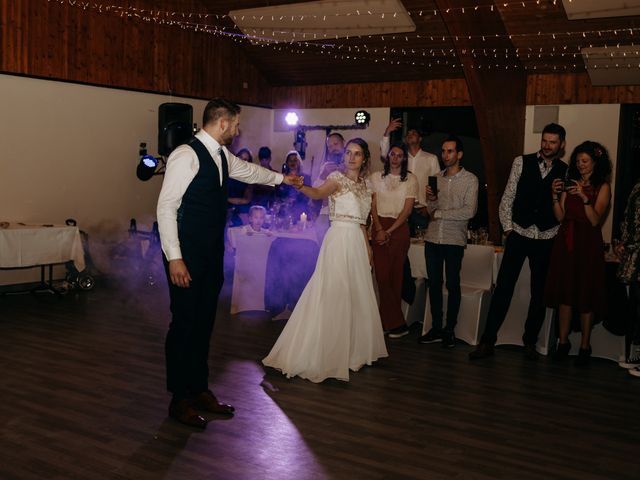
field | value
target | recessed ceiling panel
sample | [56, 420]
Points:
[613, 65]
[324, 19]
[580, 9]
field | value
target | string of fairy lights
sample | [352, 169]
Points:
[335, 46]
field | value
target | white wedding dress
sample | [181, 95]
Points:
[335, 325]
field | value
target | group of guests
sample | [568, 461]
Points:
[243, 197]
[548, 211]
[552, 215]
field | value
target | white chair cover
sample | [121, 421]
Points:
[249, 272]
[513, 327]
[604, 344]
[475, 283]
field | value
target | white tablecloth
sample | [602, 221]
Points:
[30, 246]
[251, 252]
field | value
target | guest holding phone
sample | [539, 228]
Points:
[576, 277]
[451, 204]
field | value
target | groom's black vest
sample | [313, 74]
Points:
[202, 215]
[533, 204]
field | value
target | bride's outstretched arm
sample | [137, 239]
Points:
[321, 191]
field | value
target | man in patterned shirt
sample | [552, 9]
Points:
[450, 208]
[526, 215]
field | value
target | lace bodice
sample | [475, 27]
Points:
[351, 202]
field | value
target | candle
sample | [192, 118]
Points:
[303, 220]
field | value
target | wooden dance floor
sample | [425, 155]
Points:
[83, 398]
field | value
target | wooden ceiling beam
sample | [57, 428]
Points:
[498, 93]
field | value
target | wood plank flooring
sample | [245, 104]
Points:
[82, 397]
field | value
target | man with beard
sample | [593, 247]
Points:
[526, 215]
[334, 151]
[422, 164]
[192, 209]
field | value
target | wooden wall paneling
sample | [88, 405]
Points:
[542, 89]
[568, 88]
[64, 42]
[452, 92]
[498, 96]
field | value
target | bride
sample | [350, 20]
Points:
[335, 326]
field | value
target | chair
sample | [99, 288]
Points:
[249, 271]
[290, 264]
[414, 312]
[512, 328]
[604, 344]
[476, 278]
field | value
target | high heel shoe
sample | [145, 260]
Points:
[562, 352]
[583, 357]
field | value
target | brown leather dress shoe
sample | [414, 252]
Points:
[183, 412]
[483, 350]
[208, 402]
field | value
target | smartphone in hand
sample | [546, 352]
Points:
[433, 184]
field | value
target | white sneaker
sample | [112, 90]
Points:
[633, 360]
[635, 372]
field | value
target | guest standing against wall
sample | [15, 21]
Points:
[450, 207]
[394, 193]
[526, 214]
[333, 153]
[576, 278]
[422, 164]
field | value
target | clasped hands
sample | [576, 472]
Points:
[382, 236]
[296, 181]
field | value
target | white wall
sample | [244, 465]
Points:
[599, 123]
[71, 150]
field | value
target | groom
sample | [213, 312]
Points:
[191, 212]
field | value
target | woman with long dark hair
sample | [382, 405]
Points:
[395, 191]
[576, 277]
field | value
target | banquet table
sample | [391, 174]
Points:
[251, 254]
[25, 246]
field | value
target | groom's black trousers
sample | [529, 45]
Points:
[193, 312]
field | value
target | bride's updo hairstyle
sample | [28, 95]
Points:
[365, 150]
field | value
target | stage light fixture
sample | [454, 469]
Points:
[291, 118]
[147, 167]
[362, 117]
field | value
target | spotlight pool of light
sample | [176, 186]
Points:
[291, 118]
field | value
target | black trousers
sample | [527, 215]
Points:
[193, 312]
[447, 258]
[517, 249]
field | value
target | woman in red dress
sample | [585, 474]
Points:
[576, 277]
